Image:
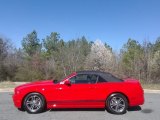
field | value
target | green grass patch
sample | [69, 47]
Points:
[7, 84]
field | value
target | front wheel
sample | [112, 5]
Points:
[34, 103]
[117, 103]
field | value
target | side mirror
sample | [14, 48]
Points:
[55, 81]
[67, 82]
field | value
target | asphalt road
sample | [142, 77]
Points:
[149, 111]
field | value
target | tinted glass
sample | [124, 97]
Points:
[100, 79]
[83, 79]
[92, 78]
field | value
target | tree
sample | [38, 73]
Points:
[3, 54]
[49, 67]
[156, 46]
[50, 43]
[59, 57]
[108, 46]
[100, 57]
[131, 58]
[31, 43]
[3, 49]
[71, 55]
[146, 58]
[31, 68]
[155, 65]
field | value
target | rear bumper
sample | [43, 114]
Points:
[16, 101]
[137, 101]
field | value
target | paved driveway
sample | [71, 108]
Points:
[149, 111]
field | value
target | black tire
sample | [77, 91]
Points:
[117, 104]
[21, 109]
[34, 103]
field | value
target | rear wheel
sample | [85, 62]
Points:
[34, 103]
[117, 103]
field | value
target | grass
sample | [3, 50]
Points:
[7, 84]
[151, 86]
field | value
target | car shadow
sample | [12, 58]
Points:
[135, 108]
[77, 109]
[146, 111]
[138, 108]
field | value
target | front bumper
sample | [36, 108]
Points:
[16, 100]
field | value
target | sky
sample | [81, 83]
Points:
[112, 21]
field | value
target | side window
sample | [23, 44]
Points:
[100, 79]
[83, 79]
[92, 78]
[79, 79]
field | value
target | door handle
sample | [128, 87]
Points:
[60, 88]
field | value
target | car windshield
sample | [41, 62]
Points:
[58, 81]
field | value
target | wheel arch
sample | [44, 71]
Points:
[22, 106]
[118, 93]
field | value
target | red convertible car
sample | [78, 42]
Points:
[84, 89]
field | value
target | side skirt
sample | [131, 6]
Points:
[76, 104]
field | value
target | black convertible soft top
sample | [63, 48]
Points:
[107, 76]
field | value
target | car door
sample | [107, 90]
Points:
[79, 93]
[82, 87]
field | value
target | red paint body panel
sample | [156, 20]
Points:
[61, 95]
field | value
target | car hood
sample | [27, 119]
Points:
[36, 83]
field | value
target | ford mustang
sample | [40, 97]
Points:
[83, 89]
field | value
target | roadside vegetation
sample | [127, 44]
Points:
[7, 84]
[151, 86]
[54, 58]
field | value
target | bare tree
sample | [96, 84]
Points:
[4, 47]
[49, 68]
[155, 63]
